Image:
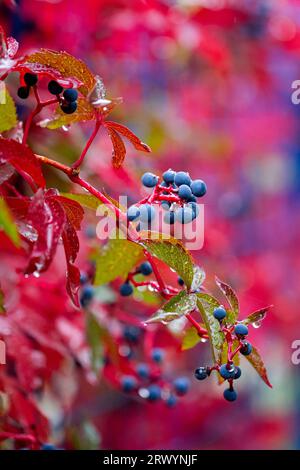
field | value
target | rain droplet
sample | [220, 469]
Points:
[36, 274]
[203, 340]
[257, 324]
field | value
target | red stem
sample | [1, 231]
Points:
[78, 162]
[201, 331]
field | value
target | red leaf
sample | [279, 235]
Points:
[12, 46]
[136, 142]
[73, 210]
[119, 150]
[73, 283]
[6, 172]
[22, 159]
[48, 72]
[256, 361]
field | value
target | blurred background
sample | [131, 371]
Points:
[207, 84]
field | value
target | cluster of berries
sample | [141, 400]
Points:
[68, 100]
[228, 371]
[126, 288]
[177, 194]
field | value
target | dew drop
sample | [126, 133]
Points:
[257, 324]
[203, 340]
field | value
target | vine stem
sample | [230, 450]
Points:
[98, 124]
[201, 331]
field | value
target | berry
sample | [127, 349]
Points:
[143, 370]
[128, 383]
[237, 373]
[83, 278]
[169, 218]
[184, 192]
[241, 330]
[126, 289]
[132, 333]
[195, 208]
[184, 215]
[227, 373]
[181, 385]
[146, 268]
[246, 349]
[166, 205]
[230, 395]
[30, 79]
[48, 446]
[23, 92]
[168, 176]
[154, 392]
[192, 199]
[87, 295]
[69, 108]
[133, 213]
[149, 180]
[180, 281]
[198, 188]
[220, 313]
[171, 400]
[70, 95]
[182, 178]
[147, 213]
[201, 373]
[54, 88]
[157, 355]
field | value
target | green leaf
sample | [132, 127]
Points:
[257, 316]
[8, 114]
[116, 259]
[175, 255]
[2, 308]
[206, 305]
[179, 305]
[232, 315]
[190, 339]
[7, 223]
[256, 361]
[198, 278]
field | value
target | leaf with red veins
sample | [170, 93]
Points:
[48, 218]
[257, 363]
[123, 130]
[22, 158]
[73, 210]
[8, 48]
[12, 47]
[119, 149]
[47, 72]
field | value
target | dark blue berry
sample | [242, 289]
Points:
[220, 313]
[70, 95]
[227, 373]
[55, 88]
[48, 446]
[133, 213]
[180, 281]
[181, 385]
[146, 268]
[154, 392]
[168, 176]
[182, 178]
[69, 108]
[169, 218]
[149, 180]
[143, 370]
[147, 213]
[195, 208]
[198, 188]
[184, 192]
[23, 92]
[246, 349]
[87, 295]
[201, 373]
[171, 400]
[126, 289]
[157, 355]
[241, 330]
[192, 198]
[30, 79]
[165, 205]
[237, 372]
[184, 215]
[132, 333]
[230, 395]
[128, 383]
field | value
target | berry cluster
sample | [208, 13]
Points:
[68, 100]
[228, 371]
[126, 288]
[177, 194]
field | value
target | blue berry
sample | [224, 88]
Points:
[182, 178]
[169, 218]
[70, 95]
[30, 79]
[149, 180]
[154, 392]
[87, 295]
[241, 330]
[171, 400]
[165, 205]
[246, 349]
[126, 289]
[133, 212]
[226, 373]
[184, 191]
[220, 313]
[132, 333]
[180, 281]
[69, 108]
[230, 395]
[184, 215]
[201, 373]
[23, 92]
[54, 88]
[128, 383]
[83, 278]
[168, 176]
[195, 208]
[198, 188]
[147, 213]
[237, 373]
[192, 198]
[143, 370]
[157, 355]
[48, 446]
[146, 268]
[181, 385]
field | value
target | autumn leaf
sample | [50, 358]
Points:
[257, 316]
[257, 363]
[233, 313]
[125, 132]
[179, 305]
[85, 112]
[119, 149]
[8, 114]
